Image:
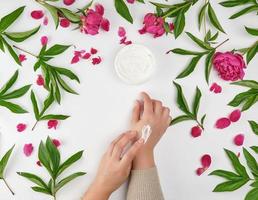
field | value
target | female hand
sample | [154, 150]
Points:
[152, 113]
[114, 167]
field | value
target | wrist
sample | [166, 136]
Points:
[144, 160]
[96, 192]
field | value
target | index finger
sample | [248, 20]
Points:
[147, 103]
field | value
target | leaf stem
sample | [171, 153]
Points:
[35, 125]
[25, 51]
[221, 43]
[204, 20]
[200, 124]
[8, 187]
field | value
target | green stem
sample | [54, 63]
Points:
[221, 43]
[8, 186]
[204, 20]
[25, 51]
[200, 124]
[35, 125]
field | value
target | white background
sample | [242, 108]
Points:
[102, 111]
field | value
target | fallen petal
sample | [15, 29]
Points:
[68, 2]
[196, 131]
[96, 61]
[235, 115]
[21, 127]
[93, 51]
[28, 149]
[44, 40]
[206, 161]
[22, 57]
[40, 80]
[239, 139]
[56, 142]
[75, 59]
[200, 171]
[65, 23]
[52, 124]
[37, 14]
[121, 31]
[222, 123]
[86, 56]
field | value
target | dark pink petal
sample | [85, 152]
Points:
[39, 163]
[93, 51]
[239, 139]
[121, 31]
[123, 40]
[65, 23]
[216, 88]
[75, 59]
[68, 2]
[206, 161]
[105, 25]
[45, 21]
[40, 80]
[52, 124]
[222, 123]
[21, 127]
[79, 53]
[130, 1]
[28, 149]
[37, 14]
[196, 131]
[86, 56]
[235, 115]
[22, 57]
[44, 40]
[128, 42]
[200, 171]
[56, 142]
[99, 9]
[96, 61]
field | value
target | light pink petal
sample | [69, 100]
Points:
[239, 139]
[75, 59]
[235, 115]
[22, 57]
[40, 80]
[37, 14]
[121, 31]
[206, 161]
[196, 131]
[21, 127]
[56, 142]
[68, 2]
[222, 123]
[28, 149]
[65, 23]
[200, 171]
[44, 40]
[52, 124]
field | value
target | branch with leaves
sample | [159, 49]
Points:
[3, 164]
[209, 52]
[53, 75]
[6, 95]
[176, 12]
[50, 158]
[248, 98]
[183, 106]
[5, 23]
[238, 178]
[40, 115]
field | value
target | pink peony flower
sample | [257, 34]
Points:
[68, 2]
[28, 149]
[40, 80]
[52, 124]
[154, 25]
[56, 142]
[37, 14]
[196, 131]
[22, 57]
[44, 40]
[21, 127]
[230, 66]
[65, 23]
[239, 139]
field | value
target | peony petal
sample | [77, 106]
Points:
[37, 14]
[75, 59]
[235, 115]
[93, 51]
[21, 127]
[40, 80]
[200, 171]
[44, 40]
[121, 31]
[105, 25]
[86, 56]
[56, 142]
[99, 9]
[239, 139]
[196, 131]
[65, 23]
[222, 123]
[206, 161]
[96, 61]
[68, 2]
[28, 149]
[52, 124]
[130, 1]
[22, 57]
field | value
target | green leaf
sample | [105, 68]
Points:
[190, 68]
[208, 65]
[254, 184]
[56, 49]
[4, 161]
[179, 23]
[229, 186]
[250, 102]
[251, 162]
[66, 72]
[196, 102]
[213, 18]
[68, 179]
[252, 195]
[71, 160]
[255, 149]
[247, 83]
[16, 93]
[35, 105]
[9, 83]
[44, 157]
[12, 52]
[123, 10]
[33, 178]
[202, 15]
[41, 190]
[54, 156]
[251, 52]
[1, 44]
[8, 20]
[180, 119]
[203, 118]
[54, 13]
[64, 85]
[181, 101]
[48, 101]
[254, 126]
[58, 117]
[199, 42]
[233, 3]
[185, 52]
[252, 31]
[226, 174]
[12, 107]
[244, 11]
[241, 97]
[21, 36]
[72, 17]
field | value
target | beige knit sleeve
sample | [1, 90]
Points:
[144, 185]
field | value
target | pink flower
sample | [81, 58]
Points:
[86, 56]
[68, 2]
[154, 25]
[196, 131]
[222, 123]
[52, 124]
[45, 21]
[230, 66]
[37, 14]
[28, 149]
[40, 80]
[93, 51]
[239, 139]
[96, 61]
[65, 23]
[121, 31]
[130, 1]
[56, 142]
[216, 88]
[22, 57]
[21, 127]
[235, 115]
[44, 40]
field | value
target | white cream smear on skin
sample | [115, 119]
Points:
[134, 64]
